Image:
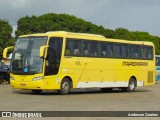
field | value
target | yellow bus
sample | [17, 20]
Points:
[63, 61]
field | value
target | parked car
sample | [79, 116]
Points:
[4, 72]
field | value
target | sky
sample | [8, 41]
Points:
[134, 15]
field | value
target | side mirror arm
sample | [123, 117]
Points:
[43, 51]
[5, 51]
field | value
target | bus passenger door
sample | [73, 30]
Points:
[53, 60]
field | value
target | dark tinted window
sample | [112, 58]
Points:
[124, 51]
[150, 53]
[110, 49]
[93, 48]
[134, 51]
[85, 48]
[73, 47]
[120, 50]
[117, 50]
[103, 49]
[147, 52]
[106, 49]
[54, 56]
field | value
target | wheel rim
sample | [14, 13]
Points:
[131, 85]
[65, 86]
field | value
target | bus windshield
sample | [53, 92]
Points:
[26, 58]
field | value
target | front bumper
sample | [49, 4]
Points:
[38, 85]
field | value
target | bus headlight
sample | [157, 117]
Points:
[12, 78]
[38, 78]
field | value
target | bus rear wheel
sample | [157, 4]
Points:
[65, 87]
[131, 86]
[36, 91]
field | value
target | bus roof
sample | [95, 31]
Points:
[62, 33]
[87, 36]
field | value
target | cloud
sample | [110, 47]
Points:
[140, 15]
[15, 4]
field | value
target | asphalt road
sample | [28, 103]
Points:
[143, 99]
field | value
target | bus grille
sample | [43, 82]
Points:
[150, 76]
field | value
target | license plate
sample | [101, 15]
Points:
[22, 84]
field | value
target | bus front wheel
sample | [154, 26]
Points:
[65, 87]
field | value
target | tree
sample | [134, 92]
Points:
[5, 35]
[64, 22]
[56, 22]
[121, 33]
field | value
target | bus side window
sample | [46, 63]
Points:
[135, 51]
[110, 50]
[69, 47]
[150, 53]
[144, 52]
[103, 49]
[77, 47]
[85, 48]
[94, 48]
[117, 50]
[67, 50]
[124, 51]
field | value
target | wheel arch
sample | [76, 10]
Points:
[133, 78]
[70, 79]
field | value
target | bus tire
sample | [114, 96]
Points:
[65, 87]
[131, 86]
[36, 91]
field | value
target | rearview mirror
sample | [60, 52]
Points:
[5, 51]
[43, 51]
